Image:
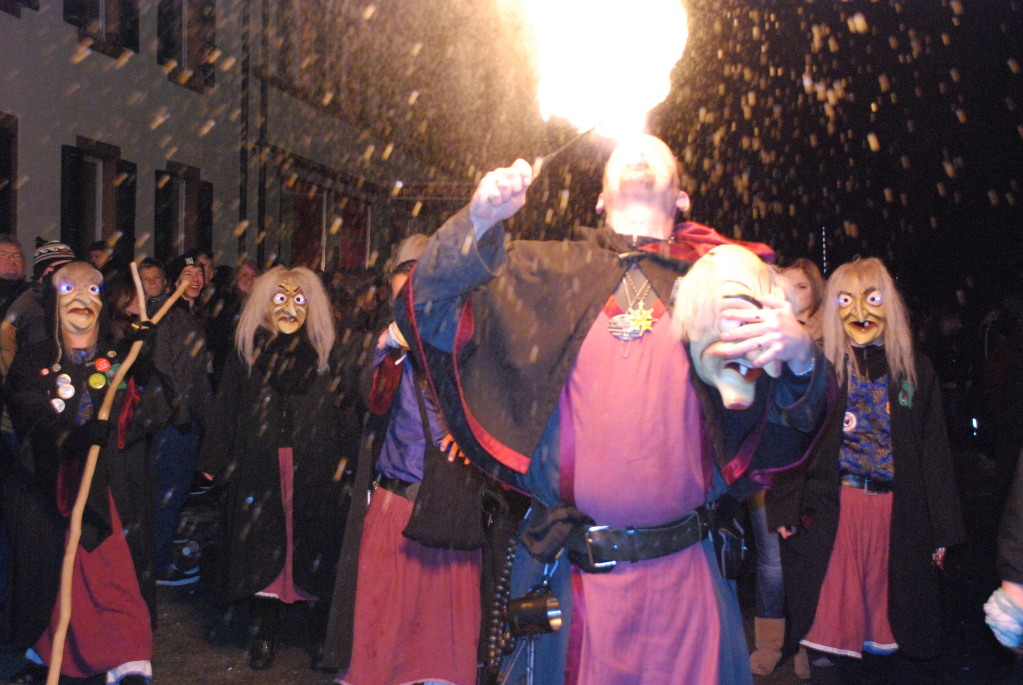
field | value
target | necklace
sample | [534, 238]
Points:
[637, 320]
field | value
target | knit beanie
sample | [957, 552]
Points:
[49, 253]
[178, 264]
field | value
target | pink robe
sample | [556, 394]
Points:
[631, 455]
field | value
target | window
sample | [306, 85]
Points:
[8, 173]
[97, 198]
[299, 45]
[111, 26]
[14, 6]
[186, 41]
[183, 212]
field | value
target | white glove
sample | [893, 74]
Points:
[1005, 620]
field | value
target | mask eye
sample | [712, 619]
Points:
[874, 299]
[844, 300]
[94, 289]
[65, 288]
[299, 299]
[279, 298]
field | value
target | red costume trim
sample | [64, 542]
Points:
[466, 325]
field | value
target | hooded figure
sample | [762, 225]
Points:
[274, 439]
[54, 393]
[867, 529]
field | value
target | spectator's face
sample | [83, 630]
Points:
[12, 265]
[193, 275]
[246, 277]
[207, 268]
[803, 289]
[98, 258]
[154, 283]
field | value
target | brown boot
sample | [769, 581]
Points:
[769, 635]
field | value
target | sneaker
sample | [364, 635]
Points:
[173, 576]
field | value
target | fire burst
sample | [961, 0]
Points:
[605, 63]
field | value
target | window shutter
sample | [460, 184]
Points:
[128, 27]
[206, 31]
[126, 174]
[8, 143]
[204, 224]
[76, 12]
[71, 197]
[168, 30]
[163, 228]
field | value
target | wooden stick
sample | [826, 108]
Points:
[75, 527]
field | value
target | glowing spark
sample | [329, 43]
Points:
[605, 62]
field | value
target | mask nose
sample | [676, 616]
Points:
[860, 310]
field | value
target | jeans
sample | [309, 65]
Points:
[770, 588]
[174, 455]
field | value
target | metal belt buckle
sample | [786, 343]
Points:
[589, 549]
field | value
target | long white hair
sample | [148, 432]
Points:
[319, 323]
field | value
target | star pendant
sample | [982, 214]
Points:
[641, 320]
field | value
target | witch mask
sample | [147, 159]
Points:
[862, 310]
[288, 308]
[78, 297]
[727, 277]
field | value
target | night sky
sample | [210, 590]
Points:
[893, 127]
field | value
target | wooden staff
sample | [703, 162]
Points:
[75, 529]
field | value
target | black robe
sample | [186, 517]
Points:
[925, 515]
[53, 446]
[283, 401]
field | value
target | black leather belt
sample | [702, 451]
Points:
[871, 485]
[399, 487]
[600, 548]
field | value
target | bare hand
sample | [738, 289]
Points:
[767, 335]
[448, 444]
[499, 195]
[786, 532]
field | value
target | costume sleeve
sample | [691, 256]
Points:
[381, 379]
[809, 490]
[799, 401]
[453, 265]
[219, 445]
[25, 395]
[938, 471]
[1009, 563]
[181, 358]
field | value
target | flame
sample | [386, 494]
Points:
[605, 63]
